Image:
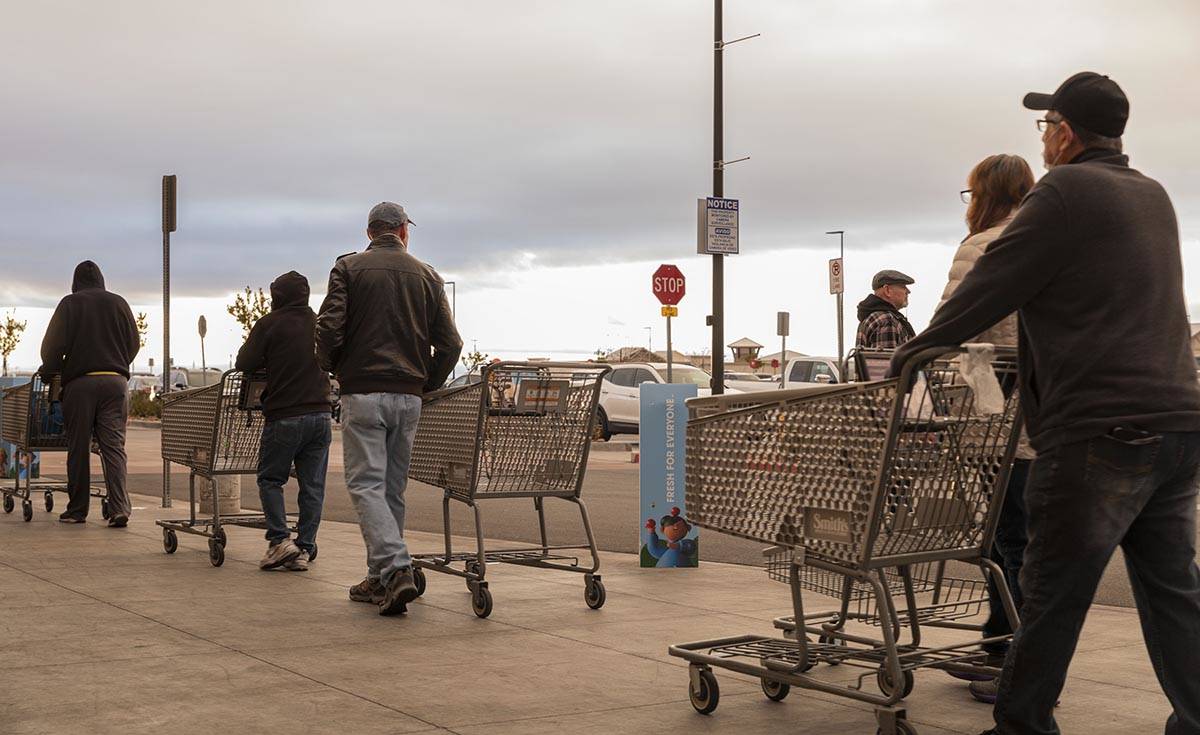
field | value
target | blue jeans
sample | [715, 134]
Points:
[377, 438]
[1008, 550]
[304, 442]
[1127, 488]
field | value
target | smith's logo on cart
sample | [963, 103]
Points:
[827, 525]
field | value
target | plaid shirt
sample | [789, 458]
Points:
[883, 330]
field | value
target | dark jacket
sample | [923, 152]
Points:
[91, 331]
[385, 325]
[283, 343]
[881, 326]
[1092, 263]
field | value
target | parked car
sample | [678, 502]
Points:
[620, 406]
[466, 379]
[806, 370]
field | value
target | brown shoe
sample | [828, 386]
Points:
[118, 522]
[401, 590]
[368, 590]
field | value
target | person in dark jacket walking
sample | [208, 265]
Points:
[386, 331]
[881, 326]
[91, 341]
[297, 412]
[1092, 264]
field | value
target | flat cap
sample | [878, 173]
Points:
[390, 214]
[886, 277]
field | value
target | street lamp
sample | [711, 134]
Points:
[649, 339]
[453, 298]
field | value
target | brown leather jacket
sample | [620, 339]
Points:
[385, 325]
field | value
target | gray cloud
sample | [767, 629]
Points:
[568, 131]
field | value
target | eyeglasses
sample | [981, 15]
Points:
[1045, 123]
[965, 196]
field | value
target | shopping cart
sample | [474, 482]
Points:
[523, 431]
[881, 484]
[32, 421]
[213, 431]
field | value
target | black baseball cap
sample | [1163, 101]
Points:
[1087, 99]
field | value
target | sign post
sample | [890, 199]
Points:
[782, 323]
[203, 328]
[168, 226]
[837, 286]
[668, 286]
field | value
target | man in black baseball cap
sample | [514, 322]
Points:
[1088, 110]
[1091, 263]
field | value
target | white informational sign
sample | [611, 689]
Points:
[717, 226]
[836, 284]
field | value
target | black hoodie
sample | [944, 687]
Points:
[283, 343]
[91, 331]
[873, 304]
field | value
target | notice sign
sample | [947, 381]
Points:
[836, 279]
[717, 226]
[668, 539]
[542, 396]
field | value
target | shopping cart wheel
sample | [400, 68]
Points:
[888, 687]
[594, 594]
[216, 552]
[707, 695]
[903, 727]
[221, 538]
[27, 511]
[776, 691]
[9, 504]
[481, 601]
[419, 580]
[828, 640]
[170, 541]
[49, 502]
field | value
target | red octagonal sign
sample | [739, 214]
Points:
[667, 285]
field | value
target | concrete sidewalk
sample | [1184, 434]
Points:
[102, 632]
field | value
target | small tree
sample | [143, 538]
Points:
[143, 327]
[601, 355]
[10, 336]
[472, 360]
[248, 307]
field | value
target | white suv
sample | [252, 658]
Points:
[620, 405]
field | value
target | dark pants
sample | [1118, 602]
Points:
[304, 442]
[1083, 500]
[96, 405]
[1008, 551]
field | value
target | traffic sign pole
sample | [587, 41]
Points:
[840, 277]
[668, 286]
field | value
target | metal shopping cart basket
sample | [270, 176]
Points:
[31, 420]
[881, 484]
[523, 431]
[214, 430]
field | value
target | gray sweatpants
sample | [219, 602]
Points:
[96, 405]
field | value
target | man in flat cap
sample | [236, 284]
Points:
[881, 326]
[386, 331]
[1091, 263]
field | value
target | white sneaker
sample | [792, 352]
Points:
[299, 564]
[280, 554]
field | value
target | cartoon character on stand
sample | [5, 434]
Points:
[677, 550]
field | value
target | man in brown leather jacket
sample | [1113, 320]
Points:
[385, 330]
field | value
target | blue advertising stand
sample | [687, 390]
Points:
[667, 539]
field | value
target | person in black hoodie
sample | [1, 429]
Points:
[91, 341]
[881, 326]
[297, 412]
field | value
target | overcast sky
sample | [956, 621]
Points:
[550, 152]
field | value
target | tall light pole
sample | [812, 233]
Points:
[840, 319]
[649, 338]
[168, 226]
[718, 267]
[453, 298]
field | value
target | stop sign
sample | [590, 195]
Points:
[667, 285]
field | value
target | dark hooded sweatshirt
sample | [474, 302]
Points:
[283, 343]
[888, 330]
[91, 331]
